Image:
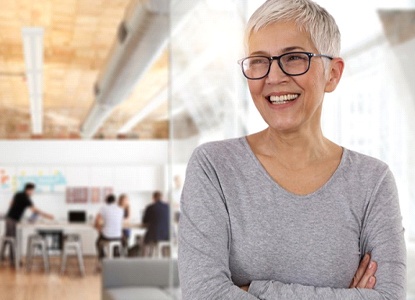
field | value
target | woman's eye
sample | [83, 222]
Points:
[258, 61]
[296, 57]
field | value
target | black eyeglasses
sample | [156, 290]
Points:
[291, 63]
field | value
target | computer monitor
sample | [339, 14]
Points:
[77, 216]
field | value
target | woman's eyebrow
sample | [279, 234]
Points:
[284, 50]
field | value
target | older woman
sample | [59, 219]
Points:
[286, 213]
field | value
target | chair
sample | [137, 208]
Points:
[72, 242]
[11, 241]
[160, 246]
[110, 246]
[35, 242]
[140, 278]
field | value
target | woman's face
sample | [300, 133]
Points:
[305, 110]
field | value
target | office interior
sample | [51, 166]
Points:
[103, 97]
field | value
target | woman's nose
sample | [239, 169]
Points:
[276, 75]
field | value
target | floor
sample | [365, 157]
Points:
[38, 285]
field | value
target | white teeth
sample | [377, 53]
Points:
[283, 98]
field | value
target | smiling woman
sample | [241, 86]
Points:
[286, 213]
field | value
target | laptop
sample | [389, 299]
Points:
[77, 216]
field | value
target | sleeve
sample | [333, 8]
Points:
[29, 202]
[204, 236]
[382, 235]
[102, 211]
[146, 216]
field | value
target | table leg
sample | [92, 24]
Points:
[18, 246]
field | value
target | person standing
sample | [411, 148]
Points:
[156, 220]
[109, 222]
[21, 201]
[124, 203]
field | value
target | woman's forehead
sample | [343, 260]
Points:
[278, 37]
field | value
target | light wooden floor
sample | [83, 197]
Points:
[36, 285]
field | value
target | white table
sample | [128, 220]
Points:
[87, 232]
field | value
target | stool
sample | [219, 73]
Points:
[11, 241]
[110, 247]
[37, 242]
[72, 242]
[160, 246]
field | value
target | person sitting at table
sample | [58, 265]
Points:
[124, 203]
[109, 223]
[21, 201]
[156, 220]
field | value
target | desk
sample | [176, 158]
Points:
[87, 232]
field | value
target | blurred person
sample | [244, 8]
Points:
[124, 203]
[109, 223]
[285, 213]
[156, 219]
[21, 201]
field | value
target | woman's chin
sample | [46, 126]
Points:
[284, 127]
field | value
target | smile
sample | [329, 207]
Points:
[282, 98]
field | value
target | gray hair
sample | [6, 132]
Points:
[308, 15]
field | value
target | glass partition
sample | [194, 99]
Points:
[371, 111]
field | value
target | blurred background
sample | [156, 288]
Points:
[116, 94]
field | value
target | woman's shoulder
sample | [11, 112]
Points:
[228, 147]
[364, 164]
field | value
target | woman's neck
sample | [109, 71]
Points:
[295, 150]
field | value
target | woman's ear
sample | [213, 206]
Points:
[334, 74]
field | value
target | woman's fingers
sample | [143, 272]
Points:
[360, 271]
[369, 274]
[371, 283]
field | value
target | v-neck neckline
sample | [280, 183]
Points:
[266, 174]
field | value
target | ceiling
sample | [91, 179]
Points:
[77, 40]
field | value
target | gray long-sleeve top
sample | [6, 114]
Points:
[239, 227]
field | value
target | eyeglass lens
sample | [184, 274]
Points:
[290, 63]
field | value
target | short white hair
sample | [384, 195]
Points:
[308, 15]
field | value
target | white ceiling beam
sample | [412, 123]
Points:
[33, 56]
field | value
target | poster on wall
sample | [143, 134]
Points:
[93, 195]
[76, 195]
[45, 179]
[6, 179]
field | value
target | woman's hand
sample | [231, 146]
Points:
[245, 288]
[365, 274]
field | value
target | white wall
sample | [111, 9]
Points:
[97, 162]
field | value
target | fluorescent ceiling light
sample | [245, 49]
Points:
[33, 56]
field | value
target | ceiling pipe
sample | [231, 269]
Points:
[180, 82]
[141, 38]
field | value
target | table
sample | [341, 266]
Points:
[87, 232]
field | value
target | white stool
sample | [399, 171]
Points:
[11, 241]
[37, 242]
[110, 247]
[72, 242]
[160, 246]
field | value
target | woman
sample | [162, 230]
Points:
[124, 203]
[285, 213]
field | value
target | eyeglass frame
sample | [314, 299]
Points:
[278, 59]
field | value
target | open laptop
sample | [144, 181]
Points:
[76, 216]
